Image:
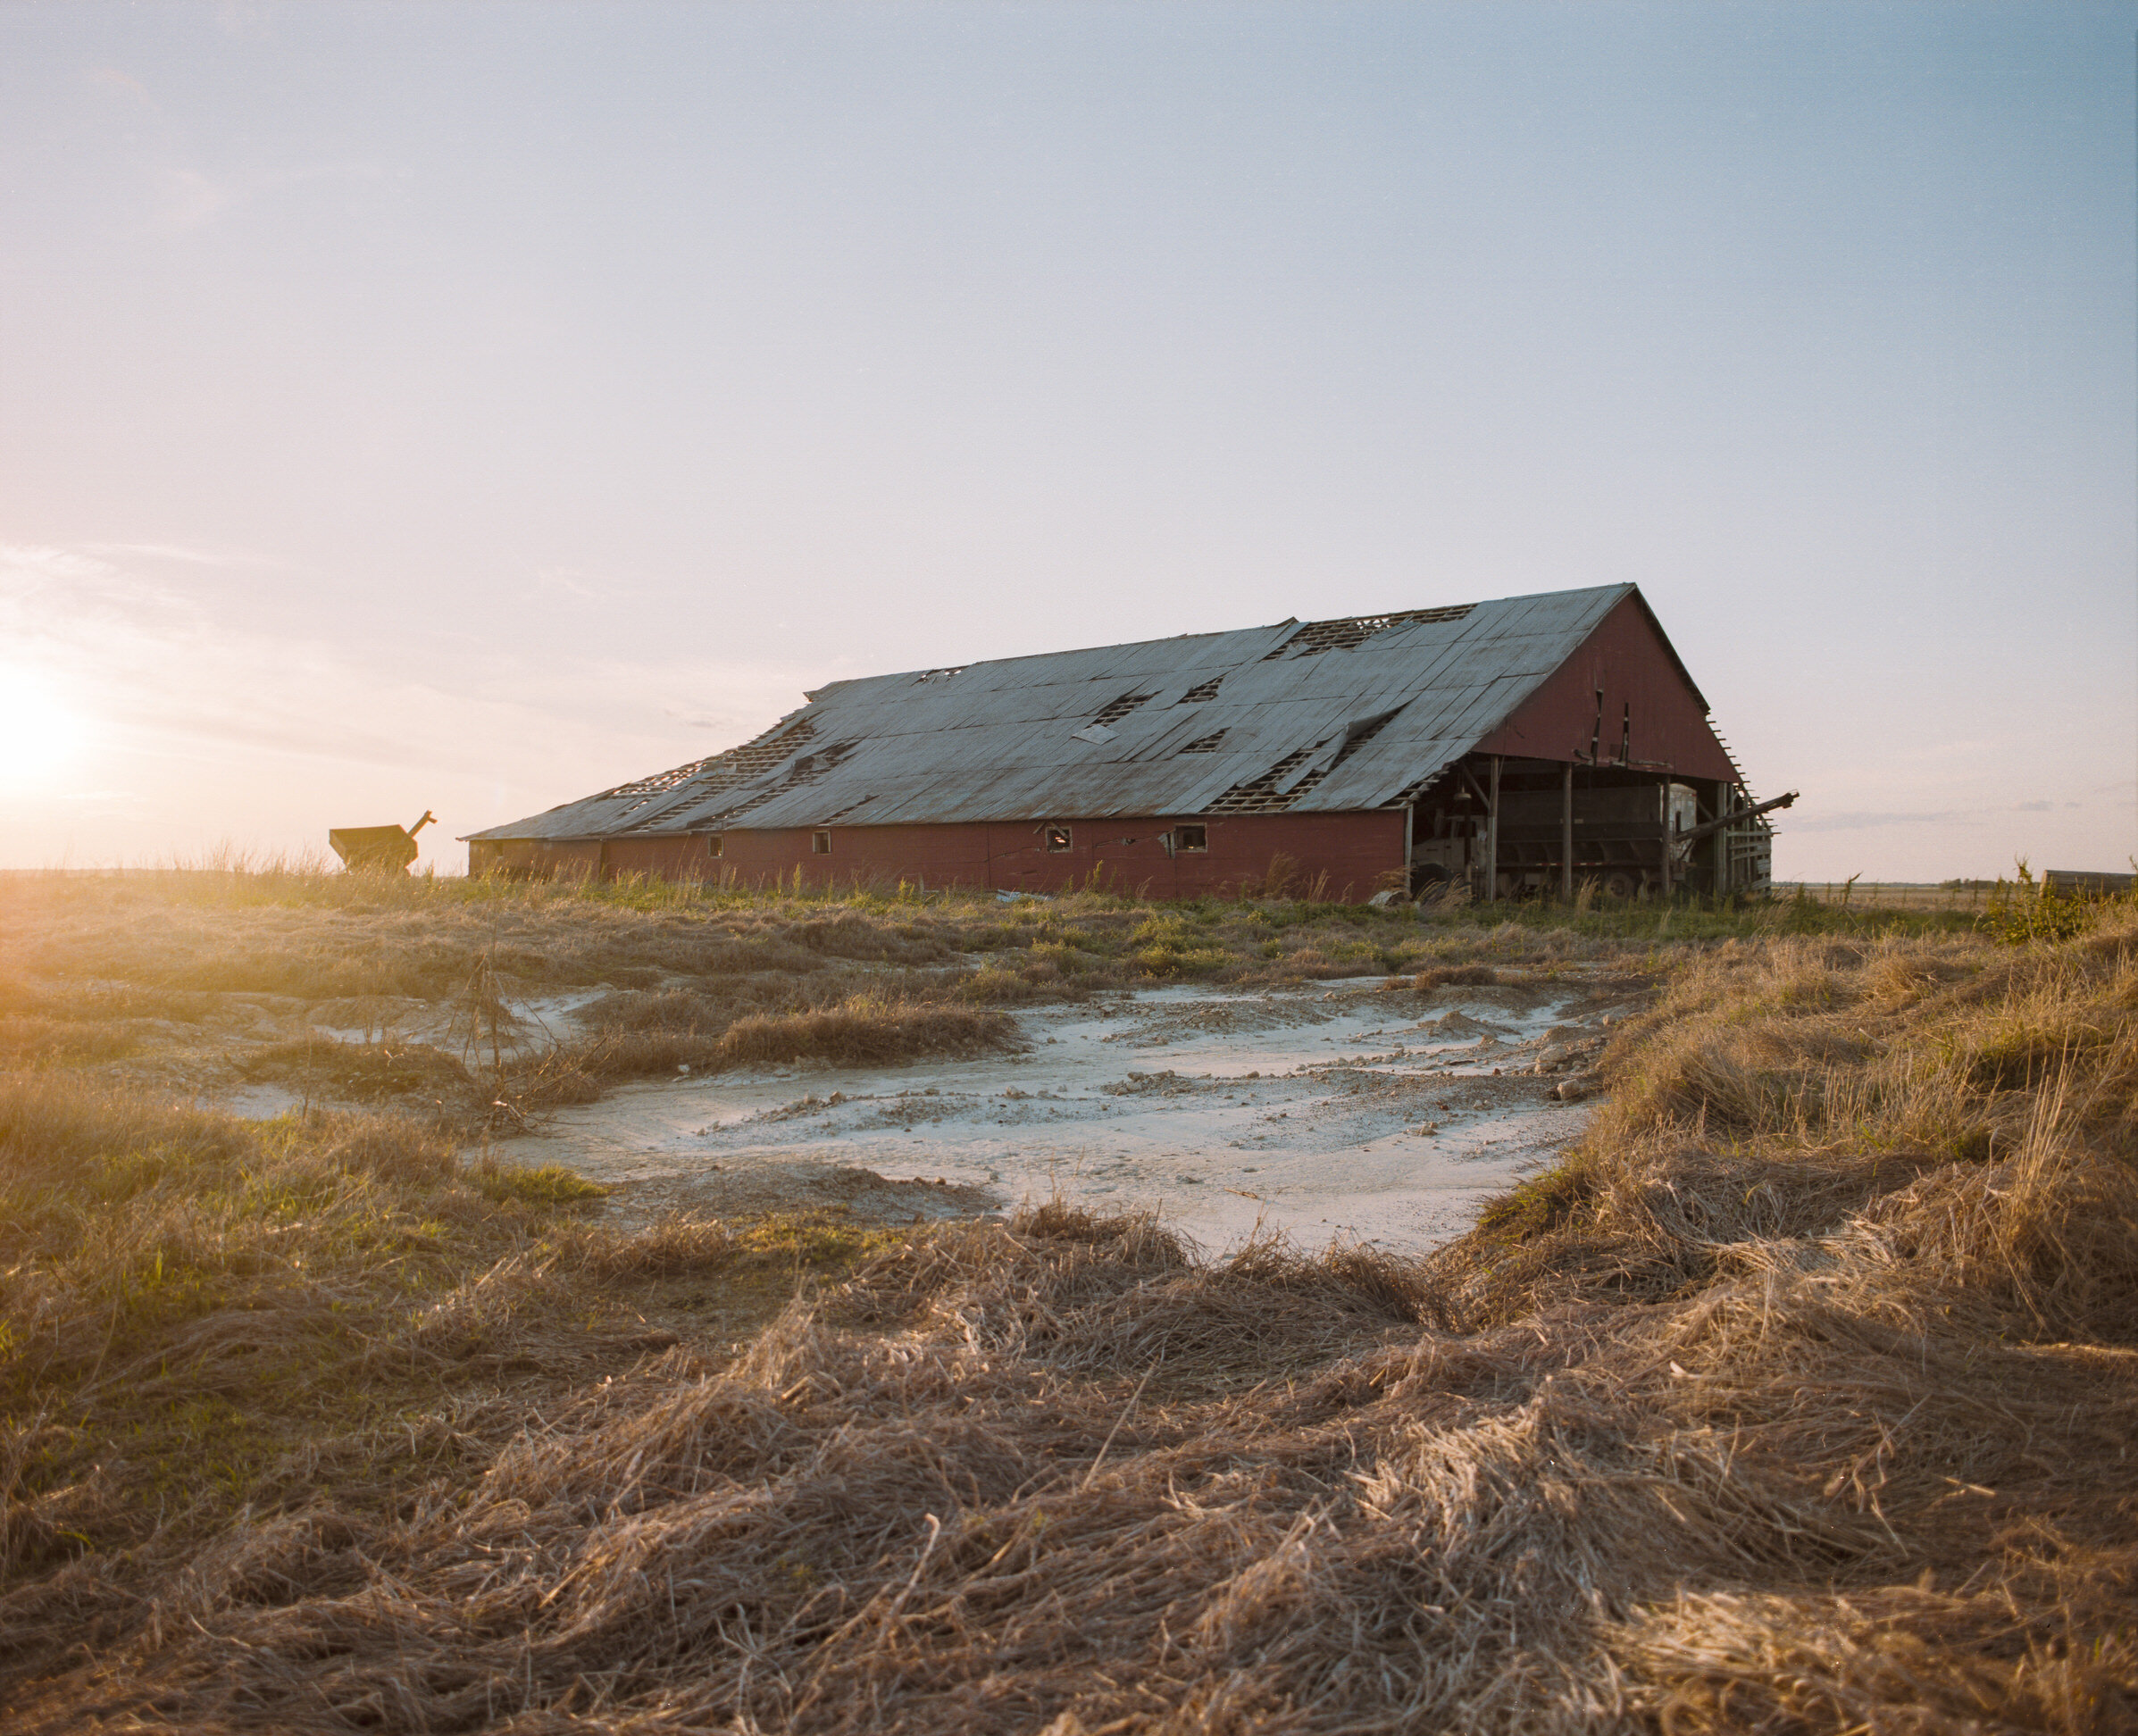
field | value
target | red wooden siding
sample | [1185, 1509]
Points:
[1627, 657]
[1355, 852]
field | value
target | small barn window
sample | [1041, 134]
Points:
[1191, 837]
[1058, 839]
[820, 843]
[714, 845]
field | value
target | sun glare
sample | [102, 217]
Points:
[39, 736]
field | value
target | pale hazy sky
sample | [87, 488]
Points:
[470, 406]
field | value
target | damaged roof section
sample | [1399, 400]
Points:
[1316, 716]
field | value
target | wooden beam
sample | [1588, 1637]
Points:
[1721, 877]
[1669, 834]
[1566, 837]
[1492, 837]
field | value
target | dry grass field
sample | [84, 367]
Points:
[1968, 898]
[1800, 1398]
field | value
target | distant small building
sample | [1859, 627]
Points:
[1520, 746]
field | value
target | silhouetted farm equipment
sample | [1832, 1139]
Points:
[378, 849]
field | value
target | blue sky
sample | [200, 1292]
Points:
[468, 406]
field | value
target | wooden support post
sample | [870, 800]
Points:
[1669, 832]
[1492, 837]
[1566, 835]
[1722, 841]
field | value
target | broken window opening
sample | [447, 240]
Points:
[715, 844]
[1191, 838]
[820, 843]
[1058, 839]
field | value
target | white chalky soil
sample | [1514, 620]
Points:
[1386, 1118]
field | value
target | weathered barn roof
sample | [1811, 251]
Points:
[1319, 716]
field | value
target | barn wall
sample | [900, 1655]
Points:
[1627, 658]
[677, 858]
[537, 859]
[1353, 851]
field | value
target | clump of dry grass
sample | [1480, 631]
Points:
[865, 1033]
[1452, 976]
[658, 1034]
[362, 1072]
[121, 1217]
[200, 1316]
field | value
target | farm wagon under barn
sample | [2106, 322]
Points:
[1513, 747]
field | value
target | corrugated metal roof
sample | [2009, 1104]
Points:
[1300, 717]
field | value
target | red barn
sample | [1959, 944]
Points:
[1518, 745]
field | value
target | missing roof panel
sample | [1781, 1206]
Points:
[1260, 795]
[807, 770]
[1117, 709]
[709, 776]
[1319, 636]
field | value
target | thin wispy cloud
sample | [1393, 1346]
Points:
[169, 677]
[124, 84]
[147, 654]
[1861, 821]
[587, 586]
[189, 556]
[186, 199]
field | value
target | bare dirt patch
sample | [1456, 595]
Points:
[1383, 1115]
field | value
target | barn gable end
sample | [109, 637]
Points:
[1622, 686]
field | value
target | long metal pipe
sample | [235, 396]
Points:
[1693, 834]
